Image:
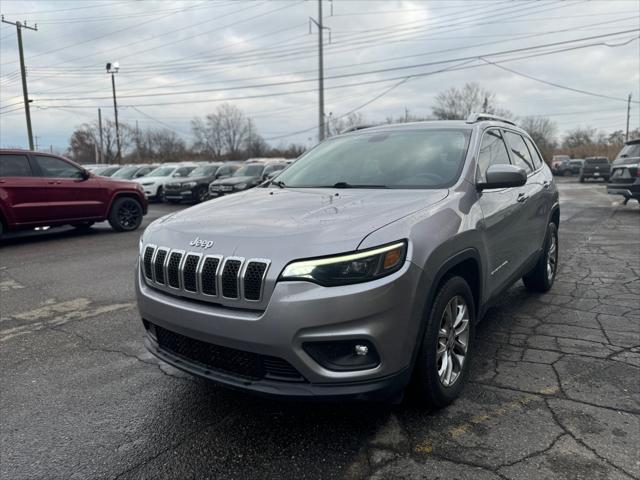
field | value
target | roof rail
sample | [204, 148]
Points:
[478, 117]
[356, 127]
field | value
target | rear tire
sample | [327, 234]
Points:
[442, 365]
[125, 215]
[541, 277]
[160, 195]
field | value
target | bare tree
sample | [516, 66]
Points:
[454, 104]
[543, 132]
[254, 144]
[223, 133]
[160, 145]
[86, 137]
[335, 125]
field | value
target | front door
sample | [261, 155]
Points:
[503, 216]
[69, 195]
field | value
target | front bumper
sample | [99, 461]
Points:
[380, 312]
[185, 194]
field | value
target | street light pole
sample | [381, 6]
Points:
[113, 68]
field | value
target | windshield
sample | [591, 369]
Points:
[400, 159]
[204, 171]
[126, 172]
[629, 154]
[161, 172]
[254, 170]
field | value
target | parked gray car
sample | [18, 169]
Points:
[361, 269]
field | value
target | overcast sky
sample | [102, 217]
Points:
[182, 58]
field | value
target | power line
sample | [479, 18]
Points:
[358, 74]
[557, 85]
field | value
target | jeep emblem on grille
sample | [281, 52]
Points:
[196, 242]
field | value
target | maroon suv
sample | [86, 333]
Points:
[39, 189]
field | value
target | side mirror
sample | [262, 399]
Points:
[85, 175]
[503, 176]
[177, 175]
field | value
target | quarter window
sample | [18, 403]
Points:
[521, 156]
[14, 166]
[537, 160]
[57, 168]
[493, 151]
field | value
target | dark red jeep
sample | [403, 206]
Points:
[40, 189]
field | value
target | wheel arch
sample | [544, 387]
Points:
[124, 194]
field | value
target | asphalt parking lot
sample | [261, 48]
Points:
[555, 390]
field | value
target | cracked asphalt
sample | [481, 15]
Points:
[554, 391]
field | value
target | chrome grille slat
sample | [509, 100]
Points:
[199, 276]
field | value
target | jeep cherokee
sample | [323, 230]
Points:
[363, 268]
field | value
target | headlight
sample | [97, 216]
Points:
[189, 184]
[349, 268]
[240, 186]
[146, 184]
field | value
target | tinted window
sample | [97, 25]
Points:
[273, 168]
[254, 170]
[394, 159]
[14, 166]
[628, 154]
[204, 171]
[125, 172]
[56, 168]
[520, 152]
[492, 151]
[537, 160]
[183, 171]
[596, 161]
[162, 172]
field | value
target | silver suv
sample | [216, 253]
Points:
[361, 269]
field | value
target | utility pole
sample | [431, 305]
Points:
[626, 137]
[36, 141]
[321, 28]
[137, 141]
[23, 71]
[113, 68]
[101, 143]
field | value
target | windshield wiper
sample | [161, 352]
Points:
[349, 185]
[278, 183]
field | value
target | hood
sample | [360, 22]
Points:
[285, 224]
[235, 180]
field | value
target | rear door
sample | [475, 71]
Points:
[531, 196]
[21, 192]
[69, 195]
[503, 214]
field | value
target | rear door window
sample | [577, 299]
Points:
[15, 166]
[537, 160]
[56, 168]
[519, 151]
[493, 151]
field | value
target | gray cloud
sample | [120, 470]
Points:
[169, 47]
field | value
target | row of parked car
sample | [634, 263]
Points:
[622, 176]
[194, 182]
[585, 168]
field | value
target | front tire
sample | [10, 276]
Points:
[541, 277]
[442, 365]
[125, 215]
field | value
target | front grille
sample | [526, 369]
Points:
[230, 278]
[204, 277]
[159, 266]
[246, 365]
[189, 272]
[173, 269]
[146, 262]
[253, 277]
[209, 275]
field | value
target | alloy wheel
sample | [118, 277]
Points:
[453, 341]
[129, 214]
[552, 258]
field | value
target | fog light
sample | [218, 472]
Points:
[361, 350]
[344, 355]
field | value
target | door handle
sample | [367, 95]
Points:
[522, 198]
[51, 183]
